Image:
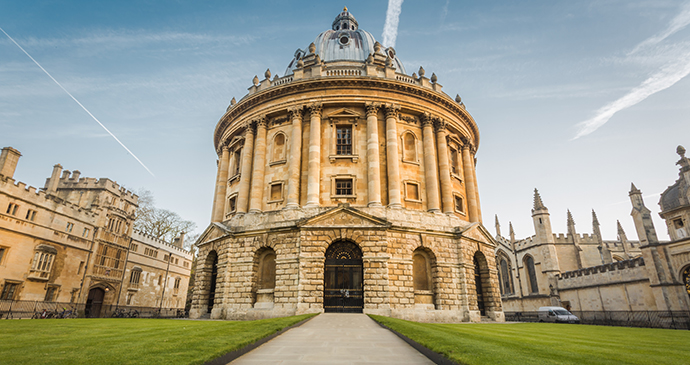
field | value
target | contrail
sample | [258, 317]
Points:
[390, 27]
[77, 101]
[678, 23]
[663, 79]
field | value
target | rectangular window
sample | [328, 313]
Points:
[134, 277]
[236, 159]
[459, 206]
[185, 264]
[412, 191]
[343, 187]
[454, 167]
[165, 257]
[177, 283]
[50, 294]
[129, 298]
[276, 192]
[343, 144]
[133, 247]
[69, 227]
[81, 266]
[2, 254]
[86, 232]
[30, 215]
[177, 261]
[12, 209]
[232, 204]
[8, 291]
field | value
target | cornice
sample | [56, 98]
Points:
[371, 83]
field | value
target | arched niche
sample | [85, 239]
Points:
[265, 274]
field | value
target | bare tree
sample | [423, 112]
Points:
[159, 223]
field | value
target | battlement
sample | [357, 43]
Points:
[19, 190]
[595, 270]
[584, 238]
[158, 243]
[74, 181]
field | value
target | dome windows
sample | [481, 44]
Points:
[343, 39]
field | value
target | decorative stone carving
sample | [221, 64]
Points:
[267, 74]
[255, 80]
[372, 108]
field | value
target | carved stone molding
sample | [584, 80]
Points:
[392, 110]
[427, 119]
[316, 109]
[372, 108]
[440, 124]
[295, 112]
[409, 119]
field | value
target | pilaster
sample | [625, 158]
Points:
[257, 191]
[295, 158]
[468, 168]
[430, 166]
[374, 169]
[392, 156]
[314, 162]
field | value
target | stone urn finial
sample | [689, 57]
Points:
[458, 99]
[680, 150]
[233, 101]
[377, 47]
[434, 78]
[370, 59]
[267, 74]
[255, 80]
[312, 47]
[421, 71]
[300, 63]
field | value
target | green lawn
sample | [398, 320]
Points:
[128, 341]
[546, 343]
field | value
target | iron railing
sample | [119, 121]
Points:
[25, 309]
[650, 319]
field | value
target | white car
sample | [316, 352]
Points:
[556, 315]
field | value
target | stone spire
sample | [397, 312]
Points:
[623, 238]
[512, 232]
[595, 226]
[538, 204]
[498, 227]
[643, 218]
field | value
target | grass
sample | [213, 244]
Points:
[547, 343]
[129, 341]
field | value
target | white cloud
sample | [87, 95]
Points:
[390, 28]
[678, 23]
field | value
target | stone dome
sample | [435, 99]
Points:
[345, 42]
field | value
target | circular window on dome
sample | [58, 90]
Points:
[344, 39]
[391, 52]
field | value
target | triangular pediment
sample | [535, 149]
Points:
[344, 216]
[479, 233]
[344, 113]
[213, 232]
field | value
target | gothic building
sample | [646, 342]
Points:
[72, 242]
[584, 272]
[347, 185]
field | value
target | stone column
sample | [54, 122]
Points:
[314, 164]
[246, 170]
[444, 167]
[256, 195]
[295, 158]
[430, 167]
[221, 186]
[374, 169]
[471, 192]
[392, 156]
[476, 187]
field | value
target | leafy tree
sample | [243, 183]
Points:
[160, 223]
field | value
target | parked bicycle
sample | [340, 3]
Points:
[120, 313]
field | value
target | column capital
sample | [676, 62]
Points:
[427, 120]
[372, 108]
[315, 109]
[249, 127]
[440, 124]
[225, 148]
[296, 112]
[392, 110]
[261, 122]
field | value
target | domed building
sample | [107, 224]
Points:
[347, 185]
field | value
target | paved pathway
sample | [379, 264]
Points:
[335, 338]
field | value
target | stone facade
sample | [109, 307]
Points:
[347, 149]
[586, 273]
[73, 241]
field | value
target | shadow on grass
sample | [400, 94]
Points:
[130, 341]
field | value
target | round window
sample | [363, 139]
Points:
[344, 39]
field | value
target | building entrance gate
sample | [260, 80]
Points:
[343, 286]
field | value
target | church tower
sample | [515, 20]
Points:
[544, 236]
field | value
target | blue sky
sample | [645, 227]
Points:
[159, 75]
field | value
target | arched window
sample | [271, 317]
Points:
[421, 271]
[134, 277]
[42, 264]
[267, 270]
[278, 148]
[505, 276]
[531, 275]
[409, 147]
[685, 276]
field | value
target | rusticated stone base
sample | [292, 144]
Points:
[387, 239]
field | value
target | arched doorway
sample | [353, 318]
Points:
[343, 284]
[478, 284]
[94, 302]
[212, 259]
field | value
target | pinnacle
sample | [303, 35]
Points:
[570, 218]
[538, 204]
[634, 189]
[510, 224]
[594, 217]
[620, 228]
